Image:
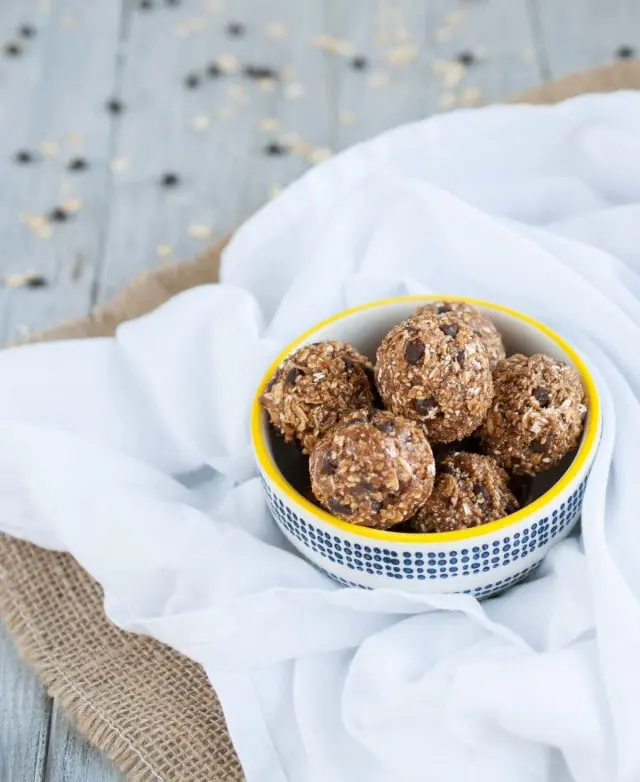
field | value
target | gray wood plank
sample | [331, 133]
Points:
[411, 51]
[72, 759]
[579, 34]
[52, 102]
[212, 136]
[25, 713]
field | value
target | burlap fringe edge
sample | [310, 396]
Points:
[89, 720]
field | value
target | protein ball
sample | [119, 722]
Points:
[469, 490]
[477, 321]
[374, 469]
[436, 370]
[537, 415]
[314, 387]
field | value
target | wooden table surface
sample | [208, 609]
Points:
[132, 133]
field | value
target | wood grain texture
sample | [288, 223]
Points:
[72, 759]
[25, 713]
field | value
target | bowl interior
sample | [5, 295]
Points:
[364, 328]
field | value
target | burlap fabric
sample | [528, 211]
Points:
[148, 707]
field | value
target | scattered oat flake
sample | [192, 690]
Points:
[276, 29]
[37, 224]
[446, 100]
[72, 205]
[267, 85]
[199, 231]
[293, 91]
[444, 34]
[164, 250]
[453, 73]
[378, 79]
[346, 117]
[401, 55]
[22, 279]
[119, 164]
[471, 96]
[227, 62]
[188, 26]
[200, 122]
[75, 140]
[319, 155]
[454, 17]
[528, 54]
[225, 112]
[333, 45]
[269, 124]
[50, 148]
[274, 190]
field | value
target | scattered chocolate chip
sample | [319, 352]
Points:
[274, 149]
[444, 307]
[145, 5]
[24, 157]
[236, 29]
[540, 446]
[478, 488]
[13, 49]
[213, 70]
[37, 281]
[338, 507]
[169, 180]
[511, 508]
[384, 426]
[328, 465]
[466, 58]
[259, 72]
[26, 31]
[191, 81]
[359, 63]
[114, 106]
[542, 395]
[58, 215]
[424, 406]
[293, 375]
[625, 52]
[450, 330]
[414, 352]
[77, 164]
[460, 357]
[172, 3]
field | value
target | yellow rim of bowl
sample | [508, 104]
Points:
[587, 445]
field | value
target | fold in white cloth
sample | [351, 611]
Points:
[133, 454]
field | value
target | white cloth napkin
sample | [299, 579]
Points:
[133, 454]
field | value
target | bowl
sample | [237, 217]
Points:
[480, 561]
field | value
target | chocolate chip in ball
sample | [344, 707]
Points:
[450, 330]
[384, 426]
[542, 395]
[511, 508]
[424, 406]
[376, 506]
[540, 446]
[338, 507]
[442, 308]
[460, 356]
[292, 376]
[479, 489]
[414, 352]
[328, 465]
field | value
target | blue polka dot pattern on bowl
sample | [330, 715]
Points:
[404, 562]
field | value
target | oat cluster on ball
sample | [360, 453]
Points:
[375, 469]
[314, 387]
[444, 382]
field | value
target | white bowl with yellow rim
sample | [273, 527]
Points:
[482, 560]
